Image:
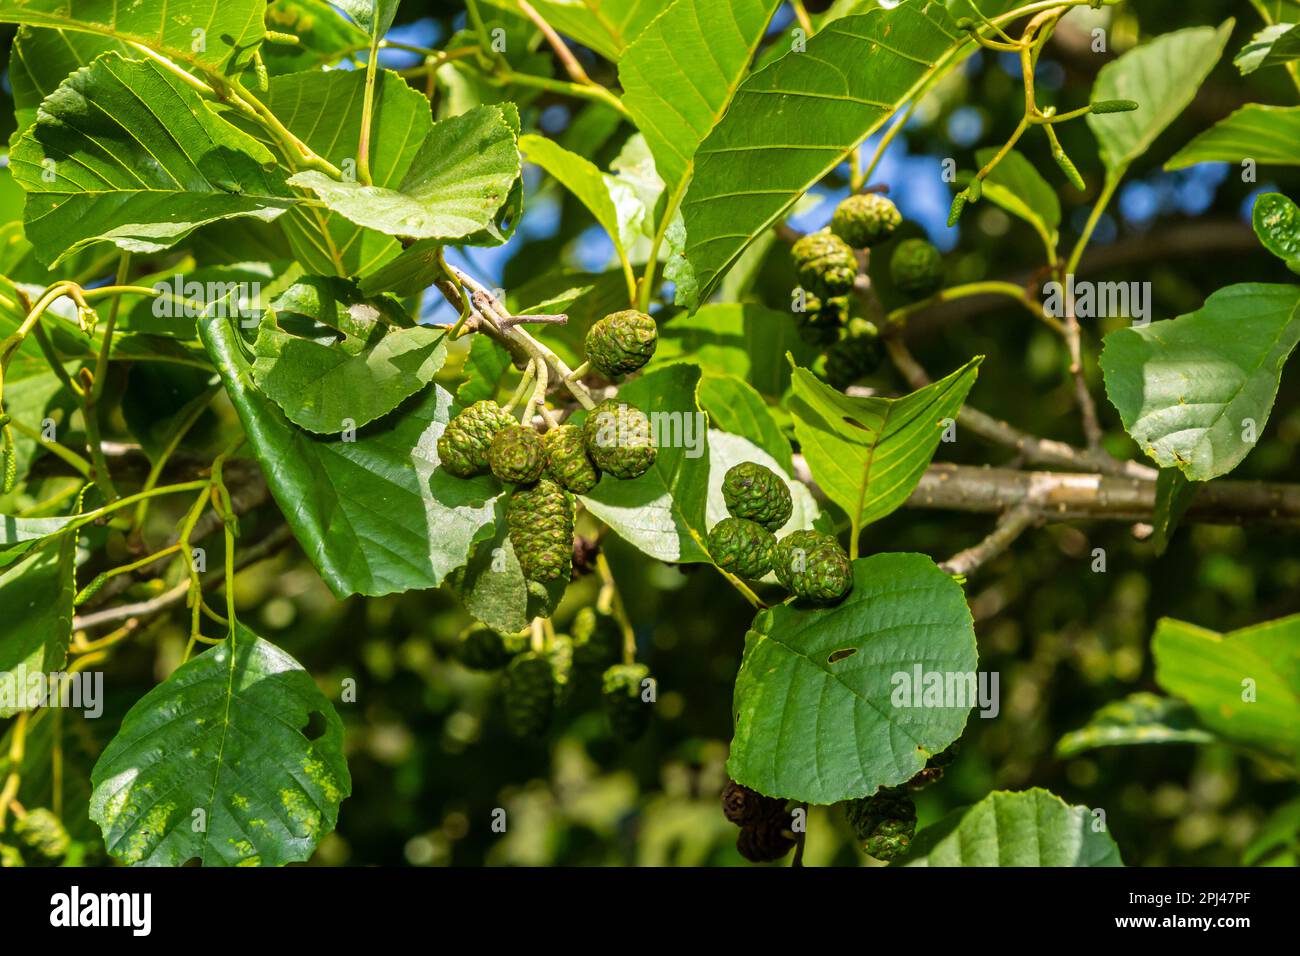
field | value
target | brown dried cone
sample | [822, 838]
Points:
[765, 840]
[743, 806]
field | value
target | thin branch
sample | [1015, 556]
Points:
[571, 64]
[1009, 527]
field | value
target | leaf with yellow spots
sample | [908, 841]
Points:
[234, 760]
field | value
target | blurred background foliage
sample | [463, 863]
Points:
[430, 757]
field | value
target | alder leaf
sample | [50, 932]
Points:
[35, 620]
[1274, 45]
[19, 535]
[1244, 685]
[375, 515]
[679, 75]
[821, 713]
[123, 150]
[1162, 77]
[868, 454]
[456, 184]
[1141, 718]
[1195, 392]
[1268, 135]
[735, 406]
[324, 241]
[42, 59]
[216, 35]
[606, 26]
[239, 739]
[1022, 828]
[1276, 220]
[1174, 493]
[373, 16]
[329, 386]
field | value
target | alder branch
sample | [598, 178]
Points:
[1034, 450]
[276, 539]
[1010, 526]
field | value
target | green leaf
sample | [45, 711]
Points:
[818, 693]
[868, 454]
[662, 513]
[679, 75]
[1021, 190]
[1277, 223]
[42, 59]
[747, 340]
[1243, 685]
[1140, 718]
[726, 450]
[323, 240]
[327, 386]
[137, 158]
[1268, 135]
[1173, 494]
[796, 120]
[485, 369]
[1162, 76]
[20, 535]
[230, 31]
[226, 734]
[606, 26]
[735, 407]
[610, 200]
[1273, 46]
[1277, 841]
[35, 621]
[373, 16]
[1195, 392]
[458, 181]
[375, 515]
[492, 586]
[1024, 828]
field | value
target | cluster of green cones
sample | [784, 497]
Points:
[544, 673]
[810, 564]
[547, 468]
[828, 263]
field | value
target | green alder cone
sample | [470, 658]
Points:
[560, 653]
[757, 493]
[529, 694]
[10, 857]
[855, 356]
[865, 219]
[539, 520]
[826, 264]
[619, 440]
[742, 547]
[42, 835]
[916, 267]
[885, 822]
[813, 566]
[620, 697]
[821, 326]
[567, 461]
[464, 443]
[517, 455]
[482, 649]
[597, 641]
[621, 343]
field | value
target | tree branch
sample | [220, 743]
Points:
[1009, 527]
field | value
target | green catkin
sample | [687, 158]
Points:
[11, 459]
[91, 589]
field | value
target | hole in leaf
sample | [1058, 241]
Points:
[316, 726]
[844, 653]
